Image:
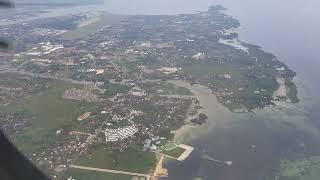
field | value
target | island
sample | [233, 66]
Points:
[93, 95]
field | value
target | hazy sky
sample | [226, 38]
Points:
[176, 6]
[156, 6]
[297, 21]
[288, 28]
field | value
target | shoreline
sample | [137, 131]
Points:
[217, 113]
[210, 106]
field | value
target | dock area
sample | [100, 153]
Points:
[160, 171]
[186, 153]
[183, 156]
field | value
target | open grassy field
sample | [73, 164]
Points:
[169, 146]
[131, 160]
[16, 81]
[199, 70]
[84, 31]
[176, 152]
[169, 89]
[52, 113]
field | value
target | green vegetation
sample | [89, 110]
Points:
[131, 48]
[200, 120]
[84, 31]
[28, 83]
[169, 146]
[16, 81]
[305, 169]
[131, 160]
[206, 69]
[166, 133]
[131, 64]
[52, 113]
[169, 89]
[113, 89]
[85, 175]
[156, 74]
[176, 152]
[153, 110]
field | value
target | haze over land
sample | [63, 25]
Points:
[281, 141]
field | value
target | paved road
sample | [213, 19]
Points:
[46, 76]
[160, 171]
[80, 133]
[110, 171]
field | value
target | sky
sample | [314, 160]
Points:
[296, 21]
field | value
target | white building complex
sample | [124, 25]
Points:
[113, 135]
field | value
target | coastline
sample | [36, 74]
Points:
[215, 111]
[219, 114]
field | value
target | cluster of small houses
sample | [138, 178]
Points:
[45, 48]
[113, 135]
